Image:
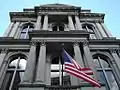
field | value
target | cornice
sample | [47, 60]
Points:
[11, 41]
[109, 41]
[22, 14]
[102, 15]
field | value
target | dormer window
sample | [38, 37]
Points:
[89, 28]
[25, 29]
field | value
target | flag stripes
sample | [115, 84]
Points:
[72, 67]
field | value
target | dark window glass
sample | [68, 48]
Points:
[104, 73]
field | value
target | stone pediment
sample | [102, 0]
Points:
[58, 6]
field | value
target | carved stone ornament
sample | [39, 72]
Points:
[85, 43]
[4, 50]
[33, 43]
[112, 50]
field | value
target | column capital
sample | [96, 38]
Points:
[33, 43]
[112, 50]
[4, 50]
[85, 43]
[76, 43]
[42, 43]
[118, 50]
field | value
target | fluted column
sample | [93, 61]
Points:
[38, 23]
[13, 31]
[45, 23]
[6, 34]
[79, 26]
[30, 67]
[70, 21]
[40, 74]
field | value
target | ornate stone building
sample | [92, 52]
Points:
[31, 49]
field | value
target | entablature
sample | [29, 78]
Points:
[56, 34]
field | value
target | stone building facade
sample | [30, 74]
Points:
[31, 49]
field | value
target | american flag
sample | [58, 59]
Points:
[73, 68]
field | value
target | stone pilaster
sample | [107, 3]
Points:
[3, 64]
[38, 23]
[70, 22]
[40, 73]
[6, 34]
[101, 30]
[106, 30]
[2, 55]
[14, 30]
[116, 58]
[45, 23]
[78, 58]
[79, 26]
[30, 67]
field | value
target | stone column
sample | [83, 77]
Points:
[45, 23]
[101, 30]
[78, 58]
[3, 65]
[15, 28]
[87, 53]
[40, 73]
[88, 56]
[99, 36]
[70, 21]
[106, 30]
[48, 71]
[6, 34]
[30, 67]
[79, 26]
[38, 23]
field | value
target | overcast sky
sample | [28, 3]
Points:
[111, 8]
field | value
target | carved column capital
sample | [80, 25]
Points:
[85, 43]
[33, 43]
[76, 43]
[112, 50]
[4, 50]
[118, 50]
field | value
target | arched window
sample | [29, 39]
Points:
[14, 73]
[89, 28]
[58, 27]
[27, 27]
[104, 72]
[58, 76]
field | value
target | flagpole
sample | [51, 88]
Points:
[60, 77]
[62, 61]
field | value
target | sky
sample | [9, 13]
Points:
[111, 8]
